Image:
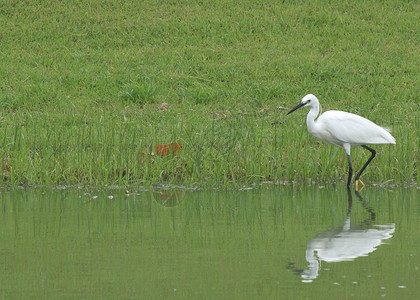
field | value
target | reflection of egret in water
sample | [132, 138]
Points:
[345, 243]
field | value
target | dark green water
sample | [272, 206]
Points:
[284, 243]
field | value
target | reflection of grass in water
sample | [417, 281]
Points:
[168, 198]
[78, 102]
[229, 240]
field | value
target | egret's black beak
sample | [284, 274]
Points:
[297, 107]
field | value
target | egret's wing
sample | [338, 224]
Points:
[353, 129]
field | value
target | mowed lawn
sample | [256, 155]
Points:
[82, 85]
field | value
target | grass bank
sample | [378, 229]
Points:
[81, 84]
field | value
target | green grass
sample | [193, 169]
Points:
[80, 84]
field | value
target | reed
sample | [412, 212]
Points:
[81, 86]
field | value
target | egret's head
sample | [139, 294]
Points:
[306, 101]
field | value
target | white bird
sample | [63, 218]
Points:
[345, 130]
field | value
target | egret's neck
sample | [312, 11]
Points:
[312, 114]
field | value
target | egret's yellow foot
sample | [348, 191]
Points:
[356, 185]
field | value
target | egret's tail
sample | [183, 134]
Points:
[386, 135]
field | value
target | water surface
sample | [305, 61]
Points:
[284, 243]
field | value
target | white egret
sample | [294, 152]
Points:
[345, 130]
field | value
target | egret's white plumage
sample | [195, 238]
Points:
[344, 129]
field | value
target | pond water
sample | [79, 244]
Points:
[282, 243]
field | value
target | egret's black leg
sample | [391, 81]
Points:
[350, 170]
[368, 161]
